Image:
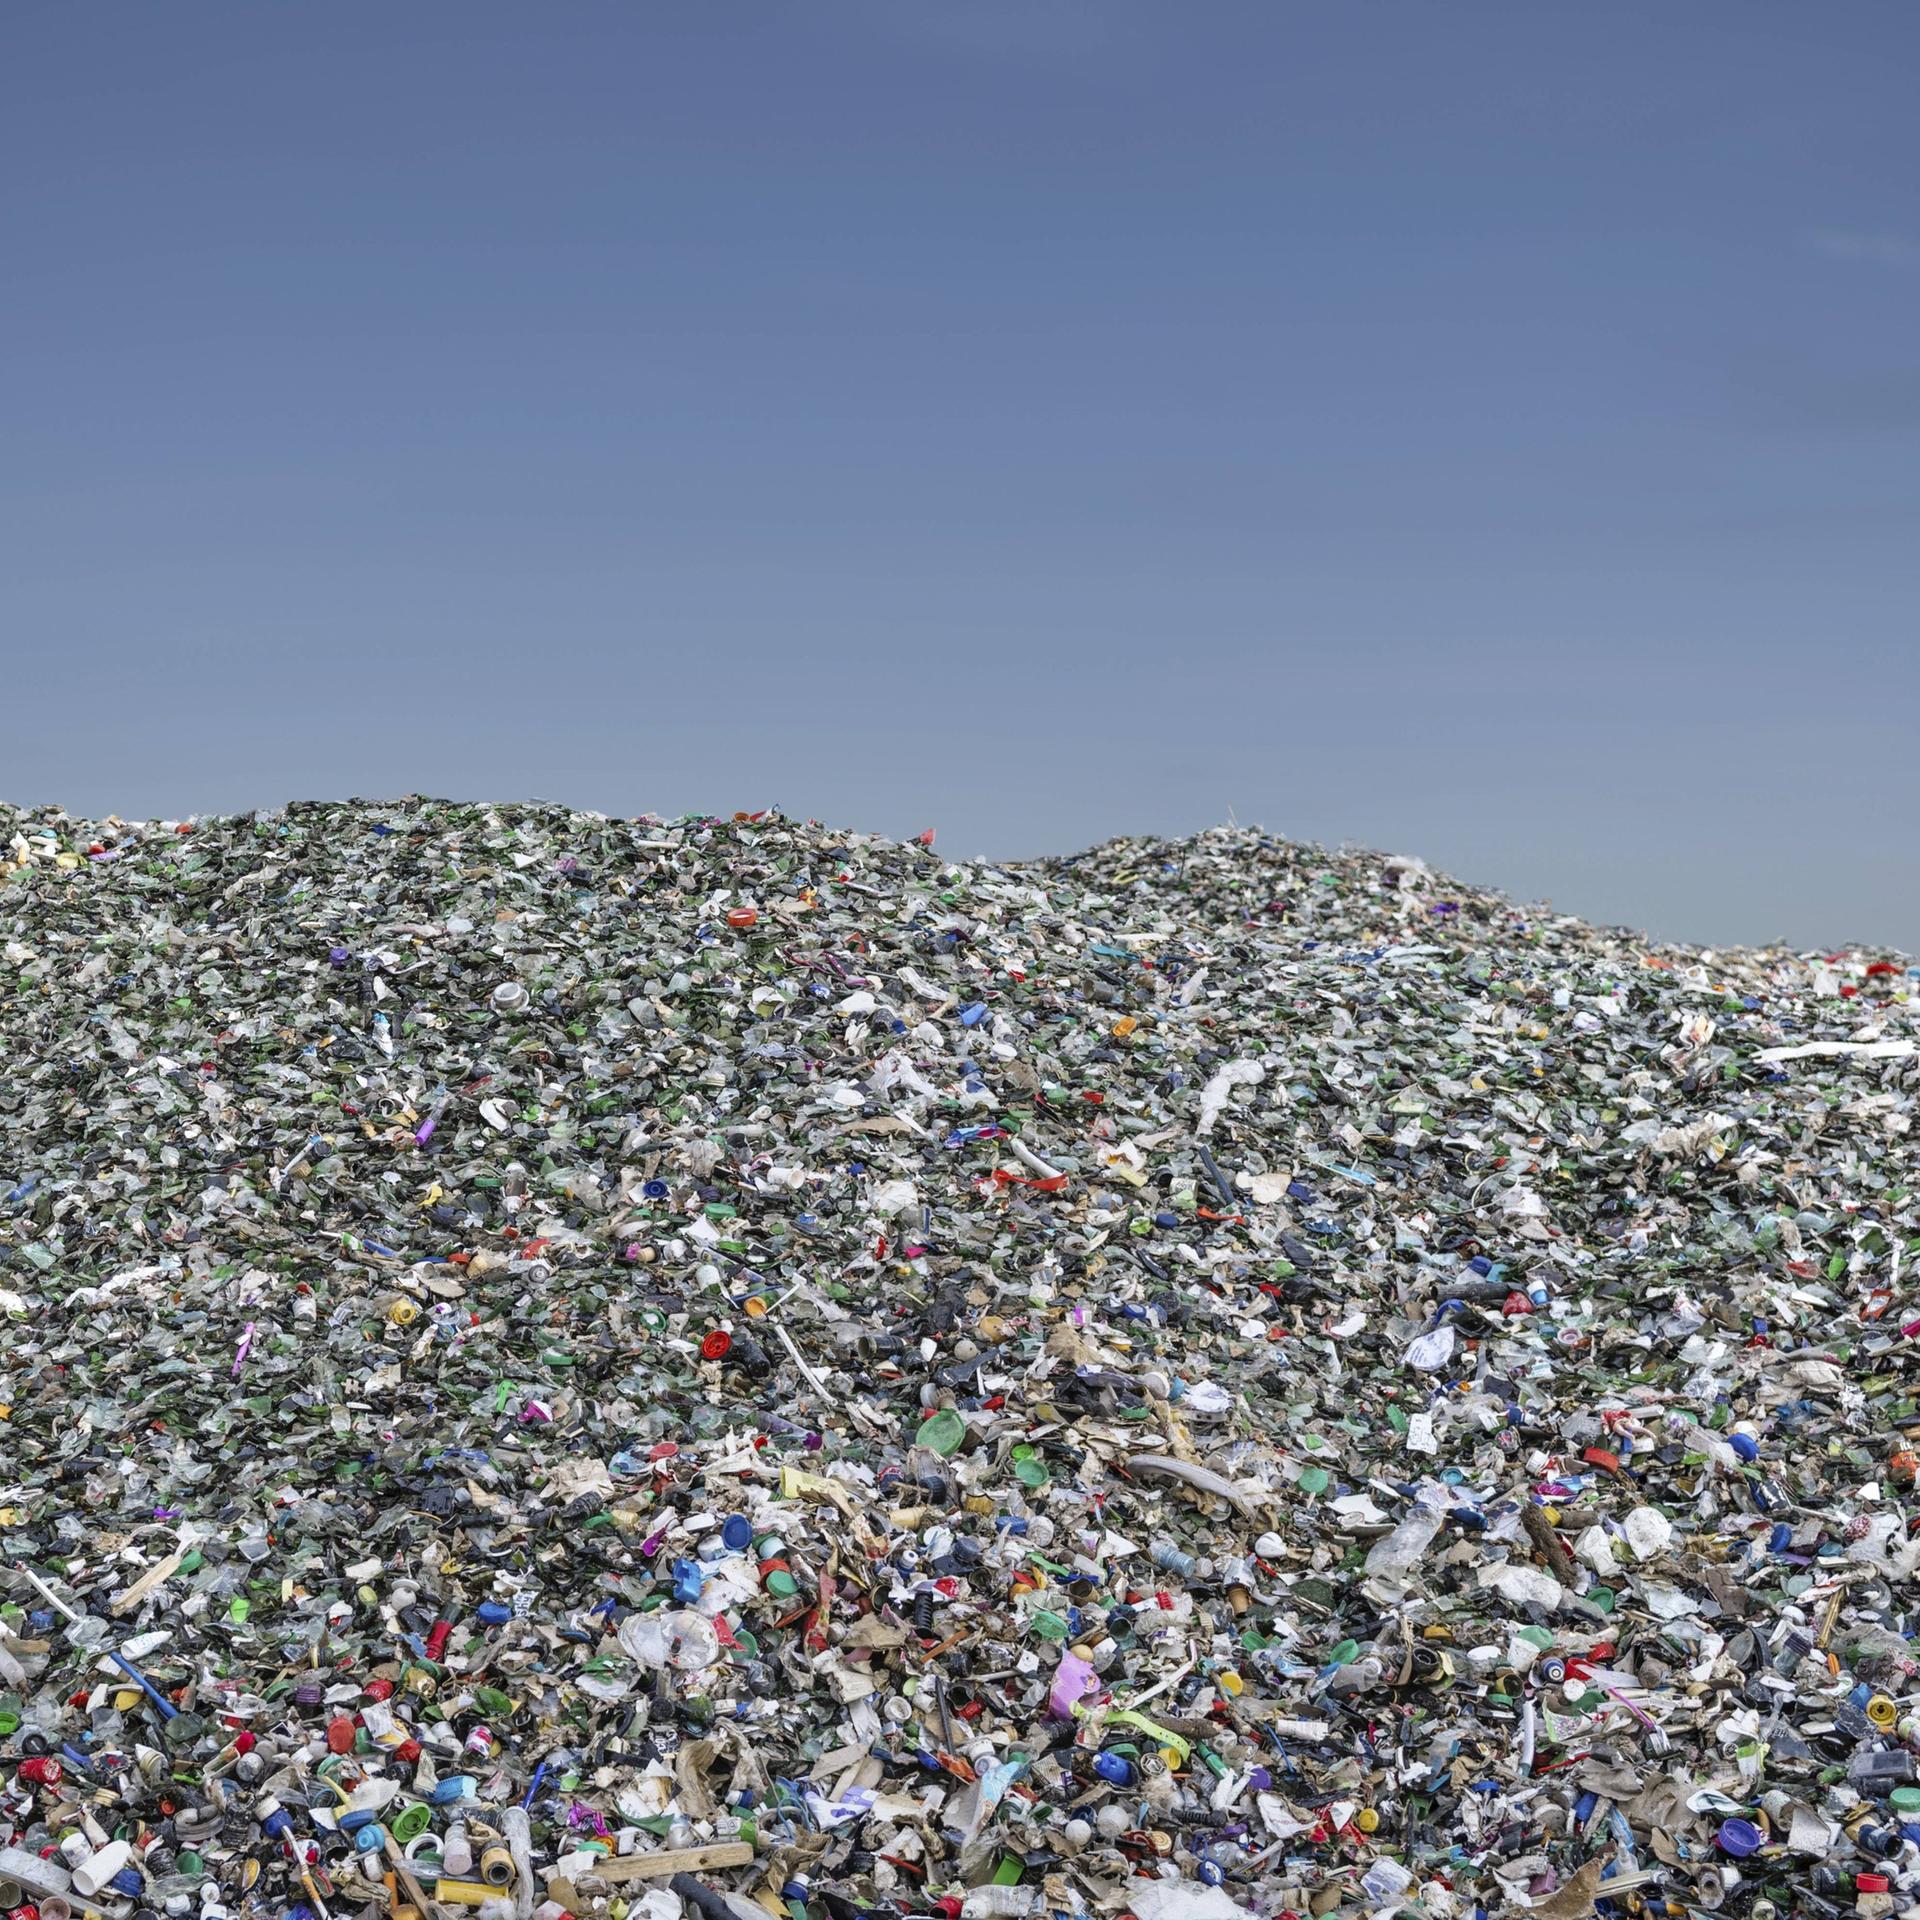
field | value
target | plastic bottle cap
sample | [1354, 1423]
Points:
[1740, 1838]
[410, 1822]
[716, 1345]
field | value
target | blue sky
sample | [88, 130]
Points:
[1487, 431]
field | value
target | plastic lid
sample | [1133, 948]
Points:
[942, 1432]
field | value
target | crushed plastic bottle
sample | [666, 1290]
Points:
[1398, 1555]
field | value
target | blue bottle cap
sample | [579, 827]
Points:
[1745, 1445]
[737, 1533]
[1740, 1838]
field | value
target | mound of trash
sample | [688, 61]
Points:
[553, 1364]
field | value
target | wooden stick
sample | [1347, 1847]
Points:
[155, 1575]
[405, 1873]
[620, 1868]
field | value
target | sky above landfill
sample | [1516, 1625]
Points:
[1486, 431]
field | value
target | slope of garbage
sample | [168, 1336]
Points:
[555, 1364]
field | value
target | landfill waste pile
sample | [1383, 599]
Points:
[652, 1369]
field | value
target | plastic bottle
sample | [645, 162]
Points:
[1171, 1559]
[1396, 1555]
[1357, 1676]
